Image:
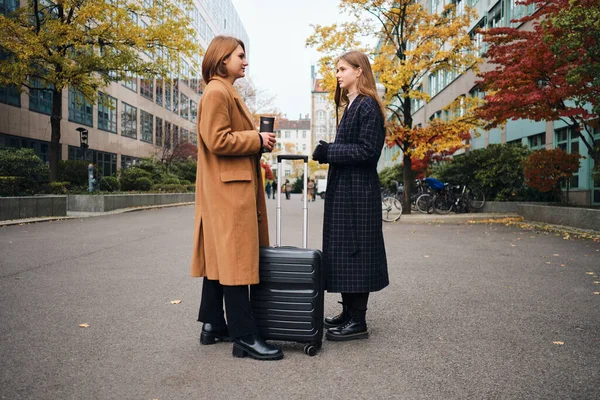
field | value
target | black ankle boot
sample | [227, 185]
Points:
[354, 328]
[211, 334]
[254, 346]
[339, 319]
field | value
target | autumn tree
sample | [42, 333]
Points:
[87, 44]
[545, 170]
[412, 43]
[547, 72]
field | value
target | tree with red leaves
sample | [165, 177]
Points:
[544, 170]
[533, 76]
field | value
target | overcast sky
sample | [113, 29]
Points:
[279, 60]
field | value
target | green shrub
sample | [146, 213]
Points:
[169, 188]
[171, 181]
[191, 188]
[109, 184]
[497, 170]
[185, 169]
[59, 187]
[388, 175]
[26, 165]
[129, 176]
[73, 171]
[143, 184]
[185, 182]
[156, 169]
[10, 185]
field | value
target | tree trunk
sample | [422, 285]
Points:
[55, 138]
[407, 172]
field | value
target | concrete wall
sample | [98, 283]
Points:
[103, 203]
[32, 207]
[583, 218]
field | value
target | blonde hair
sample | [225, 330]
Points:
[365, 85]
[219, 49]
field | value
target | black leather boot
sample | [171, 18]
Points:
[339, 319]
[254, 346]
[354, 328]
[211, 334]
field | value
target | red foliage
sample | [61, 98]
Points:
[268, 171]
[544, 169]
[185, 151]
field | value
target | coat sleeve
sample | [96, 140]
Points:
[214, 126]
[370, 139]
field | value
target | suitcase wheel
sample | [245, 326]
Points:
[310, 350]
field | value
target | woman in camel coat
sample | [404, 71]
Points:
[230, 217]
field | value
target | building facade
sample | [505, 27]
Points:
[444, 87]
[293, 137]
[131, 120]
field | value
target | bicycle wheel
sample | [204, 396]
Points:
[424, 203]
[475, 198]
[442, 203]
[391, 209]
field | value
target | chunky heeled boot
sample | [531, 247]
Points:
[354, 328]
[339, 319]
[254, 346]
[211, 334]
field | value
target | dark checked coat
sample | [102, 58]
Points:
[352, 230]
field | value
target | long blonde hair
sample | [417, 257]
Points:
[365, 85]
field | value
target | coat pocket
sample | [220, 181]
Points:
[236, 175]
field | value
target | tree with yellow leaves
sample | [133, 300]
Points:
[412, 43]
[87, 44]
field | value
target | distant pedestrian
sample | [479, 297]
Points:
[311, 190]
[268, 189]
[288, 189]
[274, 188]
[353, 246]
[230, 204]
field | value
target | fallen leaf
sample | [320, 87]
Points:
[513, 245]
[596, 292]
[548, 262]
[86, 325]
[175, 301]
[558, 342]
[563, 265]
[596, 282]
[555, 255]
[589, 273]
[426, 256]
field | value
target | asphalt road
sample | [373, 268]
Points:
[471, 313]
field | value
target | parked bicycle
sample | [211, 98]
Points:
[458, 197]
[391, 204]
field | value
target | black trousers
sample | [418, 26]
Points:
[357, 301]
[240, 320]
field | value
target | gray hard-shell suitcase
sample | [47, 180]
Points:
[288, 302]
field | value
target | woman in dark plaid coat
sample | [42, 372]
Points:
[352, 230]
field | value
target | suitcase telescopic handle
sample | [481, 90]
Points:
[305, 186]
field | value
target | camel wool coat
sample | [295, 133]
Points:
[231, 215]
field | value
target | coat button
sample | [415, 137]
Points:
[258, 214]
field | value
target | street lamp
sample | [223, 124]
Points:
[83, 144]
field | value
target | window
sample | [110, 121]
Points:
[80, 110]
[567, 140]
[168, 94]
[287, 172]
[175, 135]
[10, 95]
[202, 27]
[175, 98]
[147, 126]
[40, 98]
[193, 111]
[159, 131]
[147, 88]
[128, 161]
[185, 72]
[129, 121]
[159, 92]
[8, 6]
[185, 106]
[130, 83]
[194, 82]
[107, 113]
[184, 135]
[303, 134]
[320, 115]
[107, 162]
[194, 139]
[496, 15]
[536, 142]
[287, 134]
[304, 147]
[167, 141]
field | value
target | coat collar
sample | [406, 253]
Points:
[236, 96]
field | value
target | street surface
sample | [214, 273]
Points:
[472, 312]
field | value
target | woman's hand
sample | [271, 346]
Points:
[320, 153]
[268, 140]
